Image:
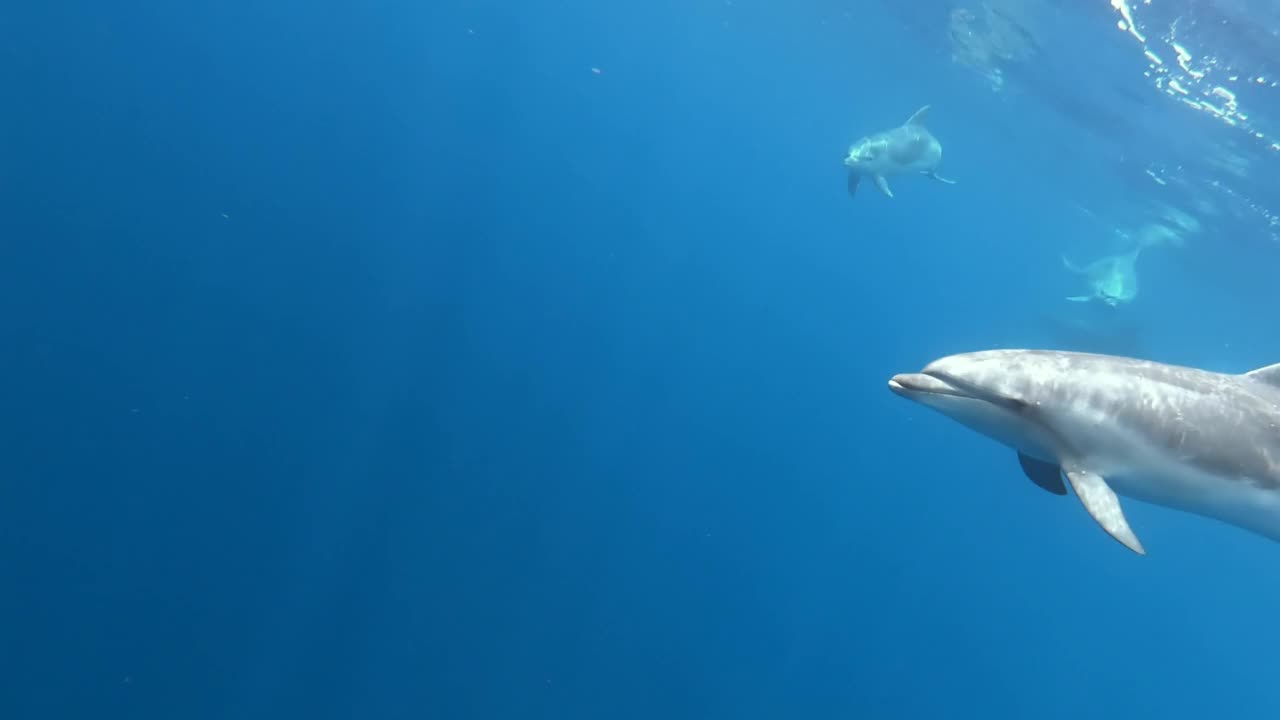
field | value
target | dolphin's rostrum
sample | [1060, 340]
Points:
[1198, 441]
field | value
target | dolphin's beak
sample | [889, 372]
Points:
[912, 384]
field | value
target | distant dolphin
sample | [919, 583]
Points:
[1202, 442]
[907, 149]
[1113, 279]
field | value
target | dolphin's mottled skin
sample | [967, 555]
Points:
[910, 148]
[1203, 442]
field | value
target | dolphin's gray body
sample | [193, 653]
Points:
[910, 148]
[1202, 442]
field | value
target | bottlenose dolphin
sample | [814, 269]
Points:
[1113, 279]
[1201, 442]
[907, 149]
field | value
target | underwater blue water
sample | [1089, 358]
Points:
[471, 359]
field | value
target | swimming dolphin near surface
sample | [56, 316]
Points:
[907, 149]
[1201, 442]
[1112, 279]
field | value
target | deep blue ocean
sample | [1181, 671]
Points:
[489, 360]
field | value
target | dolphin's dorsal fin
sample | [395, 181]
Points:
[1269, 374]
[918, 118]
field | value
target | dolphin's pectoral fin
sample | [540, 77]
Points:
[1101, 502]
[918, 117]
[1046, 475]
[934, 174]
[852, 183]
[883, 185]
[1080, 298]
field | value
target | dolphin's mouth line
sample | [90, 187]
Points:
[955, 386]
[945, 390]
[965, 389]
[918, 383]
[942, 384]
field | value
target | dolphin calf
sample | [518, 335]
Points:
[907, 149]
[1201, 442]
